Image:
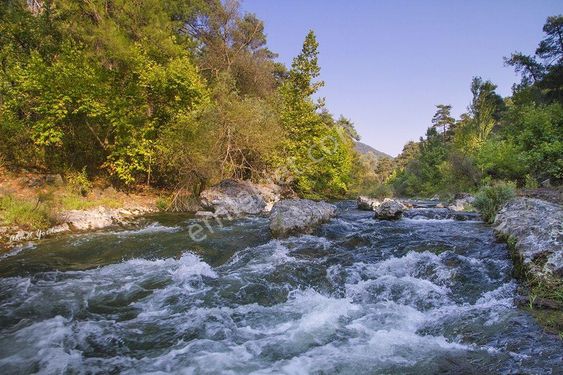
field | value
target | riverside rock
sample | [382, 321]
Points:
[293, 216]
[537, 227]
[367, 204]
[462, 202]
[100, 217]
[76, 220]
[389, 210]
[237, 198]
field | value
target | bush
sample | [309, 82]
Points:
[164, 203]
[490, 199]
[79, 182]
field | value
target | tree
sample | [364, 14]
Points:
[544, 70]
[442, 118]
[108, 78]
[317, 157]
[228, 41]
[348, 126]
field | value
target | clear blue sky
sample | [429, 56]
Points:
[387, 63]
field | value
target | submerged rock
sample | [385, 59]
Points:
[440, 213]
[390, 210]
[292, 216]
[537, 227]
[237, 198]
[367, 204]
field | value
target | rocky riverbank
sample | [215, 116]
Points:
[536, 229]
[75, 221]
[533, 229]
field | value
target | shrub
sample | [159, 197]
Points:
[79, 182]
[163, 203]
[490, 199]
[530, 182]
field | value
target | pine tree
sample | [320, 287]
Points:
[316, 156]
[442, 118]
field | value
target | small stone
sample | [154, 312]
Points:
[205, 214]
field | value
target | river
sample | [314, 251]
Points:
[359, 296]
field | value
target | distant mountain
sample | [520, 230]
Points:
[362, 148]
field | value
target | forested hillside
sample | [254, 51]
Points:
[182, 94]
[168, 94]
[518, 139]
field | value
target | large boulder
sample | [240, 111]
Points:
[389, 210]
[367, 204]
[537, 228]
[292, 216]
[100, 217]
[237, 198]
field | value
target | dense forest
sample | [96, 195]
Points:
[518, 139]
[183, 94]
[178, 93]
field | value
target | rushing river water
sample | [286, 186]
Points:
[360, 296]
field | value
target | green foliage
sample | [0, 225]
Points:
[518, 139]
[538, 130]
[29, 215]
[78, 182]
[530, 182]
[501, 159]
[490, 199]
[96, 102]
[422, 175]
[443, 119]
[316, 156]
[172, 94]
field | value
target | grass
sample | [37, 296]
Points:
[25, 214]
[78, 202]
[163, 203]
[40, 212]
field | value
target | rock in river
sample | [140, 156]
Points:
[291, 216]
[389, 210]
[367, 204]
[462, 202]
[237, 198]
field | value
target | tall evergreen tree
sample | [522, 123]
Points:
[442, 118]
[317, 156]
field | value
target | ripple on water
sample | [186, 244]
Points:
[307, 304]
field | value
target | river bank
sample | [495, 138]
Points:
[34, 206]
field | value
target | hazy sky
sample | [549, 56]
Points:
[387, 63]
